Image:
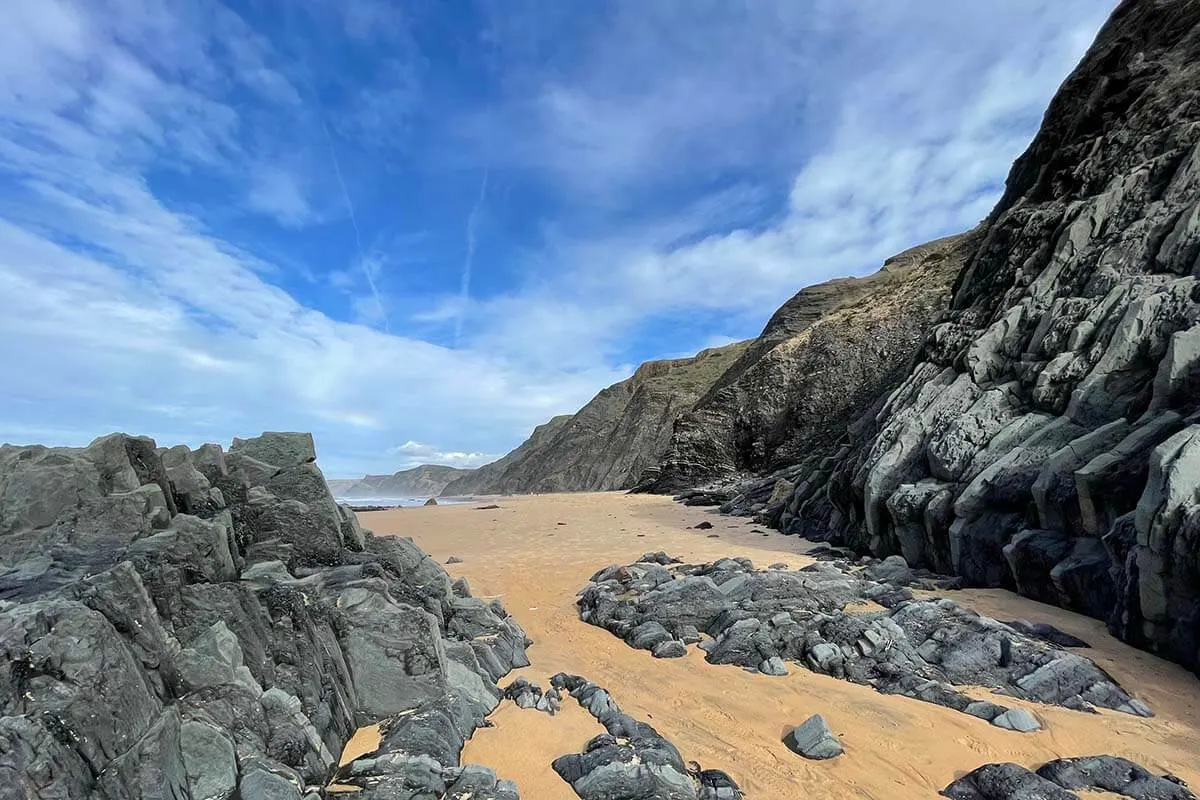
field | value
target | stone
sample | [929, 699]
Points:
[280, 450]
[1017, 719]
[813, 739]
[773, 666]
[1004, 782]
[669, 649]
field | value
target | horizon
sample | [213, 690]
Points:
[420, 233]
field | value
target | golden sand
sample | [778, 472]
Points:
[730, 719]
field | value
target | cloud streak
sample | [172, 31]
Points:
[464, 292]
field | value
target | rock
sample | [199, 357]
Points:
[773, 666]
[147, 597]
[1004, 782]
[280, 450]
[454, 560]
[1017, 719]
[1113, 774]
[813, 739]
[1047, 633]
[431, 502]
[669, 649]
[762, 619]
[631, 760]
[704, 526]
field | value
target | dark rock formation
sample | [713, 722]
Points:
[632, 761]
[1051, 782]
[918, 648]
[212, 625]
[427, 480]
[611, 440]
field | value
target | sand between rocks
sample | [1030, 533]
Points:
[730, 719]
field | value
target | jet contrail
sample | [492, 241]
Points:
[337, 170]
[464, 292]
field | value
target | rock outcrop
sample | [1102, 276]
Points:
[1052, 781]
[610, 441]
[427, 480]
[209, 624]
[823, 357]
[922, 649]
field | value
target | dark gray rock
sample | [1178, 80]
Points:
[1005, 782]
[813, 739]
[762, 619]
[1113, 774]
[150, 596]
[632, 761]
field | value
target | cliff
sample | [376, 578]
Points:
[427, 480]
[611, 440]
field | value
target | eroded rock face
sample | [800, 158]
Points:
[606, 445]
[781, 400]
[919, 648]
[208, 625]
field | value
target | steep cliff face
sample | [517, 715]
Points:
[1049, 438]
[427, 480]
[823, 357]
[611, 440]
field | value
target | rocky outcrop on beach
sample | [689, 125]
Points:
[210, 624]
[1052, 781]
[631, 760]
[812, 618]
[427, 480]
[610, 441]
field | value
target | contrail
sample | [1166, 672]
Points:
[464, 292]
[337, 170]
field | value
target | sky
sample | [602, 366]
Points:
[418, 229]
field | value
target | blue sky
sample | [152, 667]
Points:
[419, 229]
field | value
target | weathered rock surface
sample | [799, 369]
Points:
[813, 739]
[1053, 780]
[825, 356]
[426, 480]
[212, 625]
[611, 440]
[632, 761]
[919, 648]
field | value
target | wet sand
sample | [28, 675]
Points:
[730, 719]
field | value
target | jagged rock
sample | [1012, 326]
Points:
[632, 761]
[143, 626]
[1052, 780]
[919, 648]
[1113, 774]
[1004, 782]
[813, 739]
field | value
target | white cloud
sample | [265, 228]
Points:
[280, 193]
[414, 454]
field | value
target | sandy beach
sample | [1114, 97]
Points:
[536, 552]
